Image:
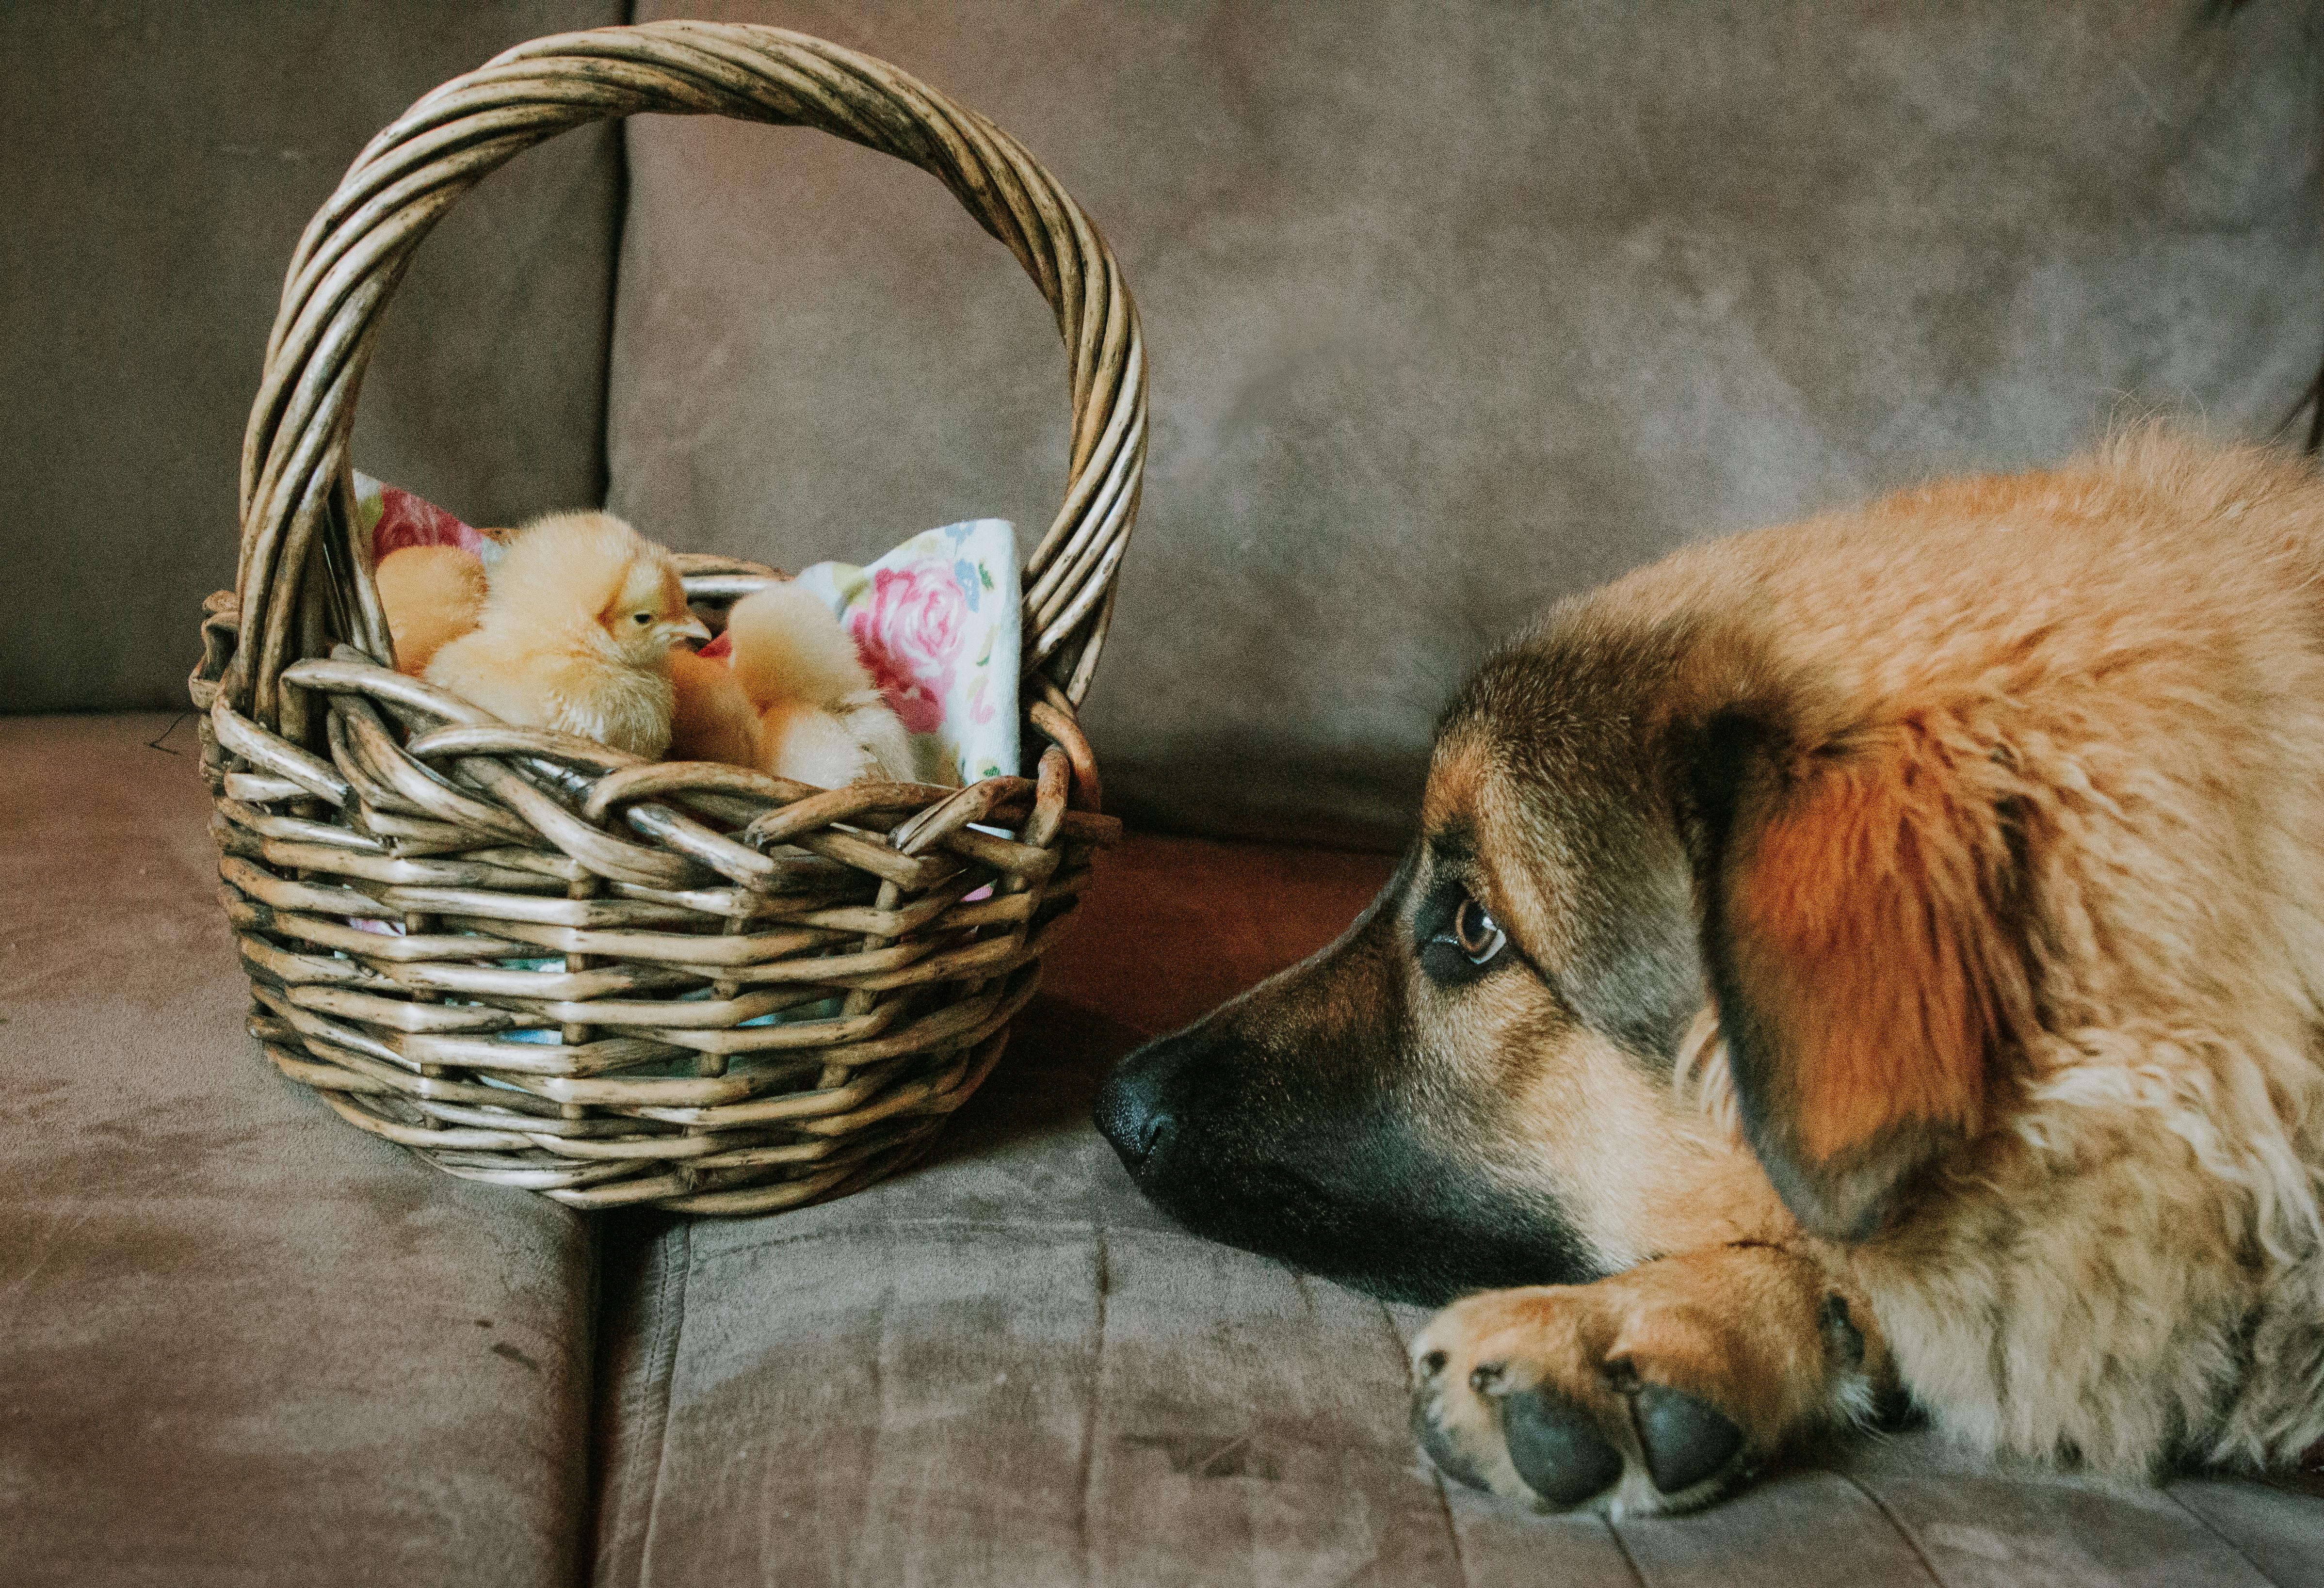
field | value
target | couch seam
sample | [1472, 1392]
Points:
[661, 1370]
[1912, 1540]
[1088, 1475]
[1436, 1479]
[1621, 1547]
[1453, 1531]
[595, 1458]
[2209, 1526]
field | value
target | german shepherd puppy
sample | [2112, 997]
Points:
[1882, 953]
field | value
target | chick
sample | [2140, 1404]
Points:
[432, 594]
[715, 719]
[579, 616]
[820, 719]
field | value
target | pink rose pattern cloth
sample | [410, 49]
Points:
[935, 620]
[395, 518]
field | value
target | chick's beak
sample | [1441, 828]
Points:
[692, 628]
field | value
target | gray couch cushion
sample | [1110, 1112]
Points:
[1455, 306]
[240, 1343]
[163, 159]
[1003, 1368]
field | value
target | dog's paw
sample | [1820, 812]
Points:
[1511, 1396]
[1650, 1393]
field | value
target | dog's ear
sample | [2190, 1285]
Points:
[1856, 900]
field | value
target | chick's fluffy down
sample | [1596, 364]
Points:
[432, 595]
[821, 718]
[579, 617]
[715, 719]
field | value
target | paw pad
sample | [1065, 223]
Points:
[1686, 1439]
[1556, 1447]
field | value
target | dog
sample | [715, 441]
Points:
[1872, 962]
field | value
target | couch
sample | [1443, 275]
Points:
[1455, 307]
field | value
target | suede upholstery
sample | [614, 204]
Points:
[239, 1341]
[161, 160]
[1456, 307]
[244, 1343]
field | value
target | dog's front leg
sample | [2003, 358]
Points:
[1654, 1390]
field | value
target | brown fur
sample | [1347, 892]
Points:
[1864, 922]
[1914, 979]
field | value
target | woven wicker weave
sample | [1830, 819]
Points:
[636, 923]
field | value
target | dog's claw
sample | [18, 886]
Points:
[1555, 1447]
[1686, 1439]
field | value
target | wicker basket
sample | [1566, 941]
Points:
[616, 982]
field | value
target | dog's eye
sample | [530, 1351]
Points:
[1479, 936]
[1458, 940]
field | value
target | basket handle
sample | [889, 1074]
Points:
[303, 579]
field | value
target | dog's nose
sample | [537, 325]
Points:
[1134, 1111]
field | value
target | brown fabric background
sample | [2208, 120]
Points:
[240, 1343]
[1456, 305]
[158, 161]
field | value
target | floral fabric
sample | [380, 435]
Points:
[396, 518]
[935, 620]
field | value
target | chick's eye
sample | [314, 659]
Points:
[1479, 936]
[642, 618]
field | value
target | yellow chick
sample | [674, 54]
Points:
[432, 594]
[715, 719]
[579, 617]
[820, 719]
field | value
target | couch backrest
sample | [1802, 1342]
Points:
[1454, 307]
[160, 161]
[1458, 306]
